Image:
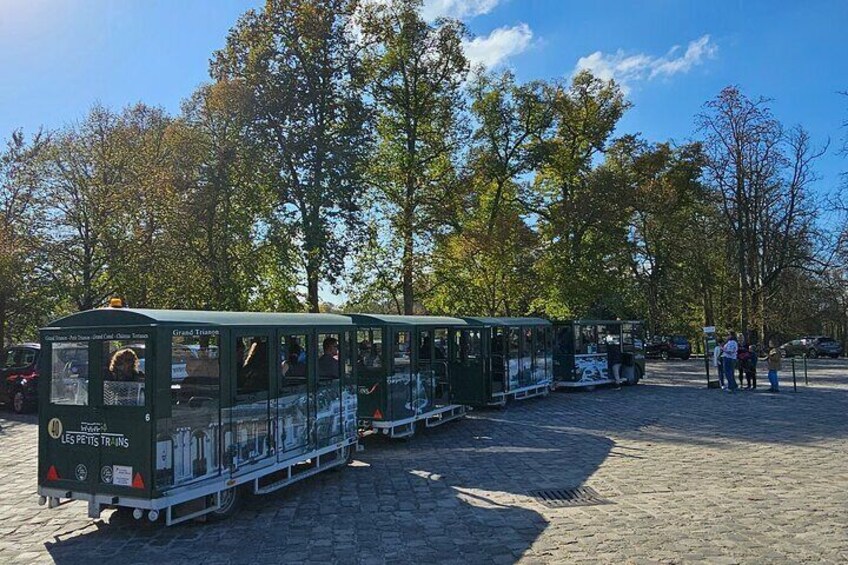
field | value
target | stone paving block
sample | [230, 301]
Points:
[692, 475]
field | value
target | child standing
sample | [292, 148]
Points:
[774, 361]
[718, 362]
[751, 368]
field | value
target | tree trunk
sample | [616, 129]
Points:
[408, 267]
[744, 315]
[312, 287]
[3, 321]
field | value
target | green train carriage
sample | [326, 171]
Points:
[181, 412]
[583, 350]
[409, 367]
[517, 353]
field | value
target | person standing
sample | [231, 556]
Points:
[751, 369]
[730, 351]
[614, 360]
[742, 363]
[718, 362]
[774, 361]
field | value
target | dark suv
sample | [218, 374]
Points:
[812, 346]
[669, 347]
[19, 376]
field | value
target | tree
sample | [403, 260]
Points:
[762, 175]
[484, 265]
[224, 204]
[415, 71]
[87, 170]
[669, 238]
[300, 62]
[582, 208]
[22, 221]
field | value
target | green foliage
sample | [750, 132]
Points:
[415, 74]
[346, 144]
[299, 61]
[582, 208]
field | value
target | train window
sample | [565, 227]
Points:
[498, 342]
[425, 346]
[252, 374]
[370, 347]
[402, 349]
[123, 373]
[293, 364]
[587, 340]
[514, 338]
[195, 369]
[539, 353]
[188, 438]
[69, 373]
[329, 362]
[473, 343]
[440, 343]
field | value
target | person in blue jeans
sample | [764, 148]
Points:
[730, 352]
[774, 361]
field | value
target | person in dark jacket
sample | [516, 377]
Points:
[614, 360]
[751, 368]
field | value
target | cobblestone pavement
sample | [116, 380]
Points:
[689, 474]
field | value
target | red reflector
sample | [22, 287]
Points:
[378, 415]
[52, 474]
[138, 482]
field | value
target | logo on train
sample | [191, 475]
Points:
[81, 472]
[106, 474]
[54, 428]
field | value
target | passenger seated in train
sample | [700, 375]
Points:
[328, 363]
[123, 366]
[253, 375]
[369, 355]
[427, 347]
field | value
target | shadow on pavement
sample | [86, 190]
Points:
[458, 492]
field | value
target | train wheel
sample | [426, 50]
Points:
[231, 501]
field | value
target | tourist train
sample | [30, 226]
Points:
[177, 414]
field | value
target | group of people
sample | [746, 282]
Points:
[729, 357]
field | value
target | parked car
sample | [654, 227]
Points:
[669, 347]
[812, 346]
[19, 376]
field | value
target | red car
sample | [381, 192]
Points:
[19, 376]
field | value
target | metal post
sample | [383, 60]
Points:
[806, 381]
[794, 382]
[707, 362]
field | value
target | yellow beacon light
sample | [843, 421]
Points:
[116, 303]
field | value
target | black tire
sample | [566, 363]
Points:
[231, 501]
[834, 356]
[664, 355]
[686, 357]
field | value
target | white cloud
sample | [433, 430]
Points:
[459, 9]
[627, 69]
[502, 43]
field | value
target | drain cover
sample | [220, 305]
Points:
[565, 497]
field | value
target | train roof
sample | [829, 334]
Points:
[494, 321]
[394, 319]
[587, 322]
[144, 317]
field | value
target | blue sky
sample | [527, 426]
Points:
[58, 57]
